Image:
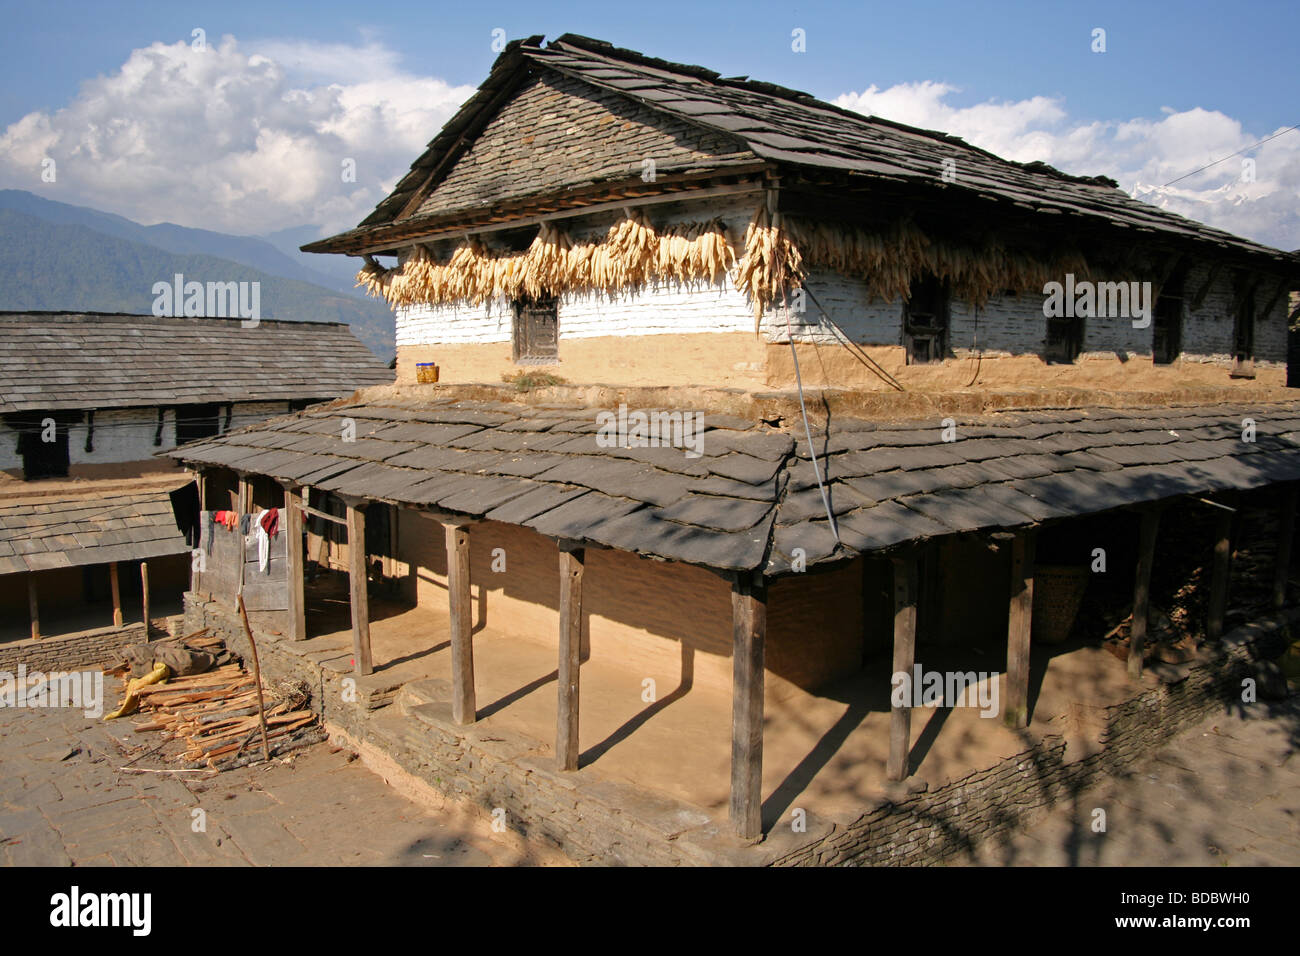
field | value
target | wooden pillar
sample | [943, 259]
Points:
[117, 594]
[1020, 625]
[33, 606]
[297, 613]
[1142, 590]
[359, 596]
[572, 564]
[1285, 537]
[196, 576]
[464, 709]
[749, 629]
[900, 718]
[1219, 573]
[245, 496]
[144, 592]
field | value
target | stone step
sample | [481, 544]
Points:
[432, 690]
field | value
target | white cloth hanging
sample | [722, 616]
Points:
[263, 547]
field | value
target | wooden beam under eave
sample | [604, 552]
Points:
[900, 717]
[464, 709]
[1285, 539]
[1020, 624]
[1221, 568]
[297, 623]
[1150, 524]
[572, 566]
[363, 663]
[749, 632]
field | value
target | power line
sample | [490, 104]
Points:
[1230, 155]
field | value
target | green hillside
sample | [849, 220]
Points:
[51, 266]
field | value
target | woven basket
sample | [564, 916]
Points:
[426, 373]
[1058, 592]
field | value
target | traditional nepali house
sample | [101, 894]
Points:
[86, 400]
[890, 426]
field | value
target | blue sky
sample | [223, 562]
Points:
[1186, 82]
[1240, 57]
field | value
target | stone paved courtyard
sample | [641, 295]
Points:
[1226, 793]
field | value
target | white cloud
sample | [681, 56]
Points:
[251, 140]
[1141, 154]
[244, 141]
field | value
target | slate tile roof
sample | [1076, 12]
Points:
[75, 360]
[778, 128]
[751, 498]
[92, 527]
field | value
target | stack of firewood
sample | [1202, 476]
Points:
[215, 714]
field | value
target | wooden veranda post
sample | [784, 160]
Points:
[572, 565]
[1220, 571]
[297, 622]
[1020, 625]
[33, 605]
[749, 630]
[360, 596]
[1285, 538]
[1142, 589]
[115, 587]
[900, 717]
[196, 575]
[144, 592]
[464, 709]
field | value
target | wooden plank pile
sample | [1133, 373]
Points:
[215, 714]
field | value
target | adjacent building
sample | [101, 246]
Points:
[87, 400]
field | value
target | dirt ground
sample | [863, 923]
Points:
[70, 797]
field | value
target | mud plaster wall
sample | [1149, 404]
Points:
[642, 613]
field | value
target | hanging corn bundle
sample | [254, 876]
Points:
[771, 267]
[374, 278]
[694, 251]
[889, 260]
[631, 254]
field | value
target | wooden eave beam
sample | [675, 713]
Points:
[604, 198]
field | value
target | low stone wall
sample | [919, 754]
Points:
[598, 821]
[75, 651]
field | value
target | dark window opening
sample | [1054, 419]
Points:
[194, 422]
[536, 338]
[1243, 337]
[42, 444]
[1064, 339]
[925, 321]
[1167, 324]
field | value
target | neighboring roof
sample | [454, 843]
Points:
[752, 497]
[773, 125]
[79, 360]
[94, 526]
